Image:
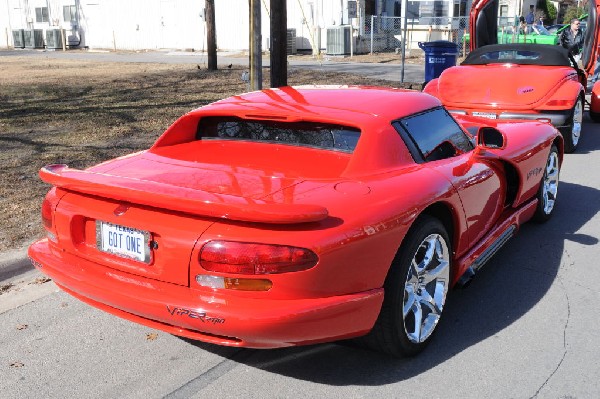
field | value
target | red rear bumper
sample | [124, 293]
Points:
[217, 317]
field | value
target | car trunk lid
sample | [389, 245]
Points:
[458, 84]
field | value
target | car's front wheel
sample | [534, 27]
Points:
[415, 290]
[572, 132]
[548, 187]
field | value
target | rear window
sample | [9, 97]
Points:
[511, 55]
[519, 53]
[308, 134]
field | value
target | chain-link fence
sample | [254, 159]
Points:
[385, 34]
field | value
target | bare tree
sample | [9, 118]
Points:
[255, 38]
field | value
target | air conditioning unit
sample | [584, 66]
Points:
[18, 39]
[53, 39]
[338, 40]
[34, 38]
[291, 42]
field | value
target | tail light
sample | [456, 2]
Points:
[48, 207]
[560, 103]
[47, 214]
[239, 284]
[252, 258]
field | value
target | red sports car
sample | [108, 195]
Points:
[298, 215]
[521, 81]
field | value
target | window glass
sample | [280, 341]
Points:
[310, 134]
[510, 55]
[417, 10]
[460, 8]
[41, 14]
[434, 135]
[69, 14]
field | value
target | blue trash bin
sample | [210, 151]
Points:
[439, 55]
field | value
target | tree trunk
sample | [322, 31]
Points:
[278, 43]
[211, 34]
[255, 46]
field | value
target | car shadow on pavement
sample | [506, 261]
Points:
[590, 139]
[506, 289]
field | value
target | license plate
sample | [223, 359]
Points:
[123, 241]
[489, 115]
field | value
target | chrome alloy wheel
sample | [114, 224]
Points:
[550, 183]
[426, 288]
[577, 119]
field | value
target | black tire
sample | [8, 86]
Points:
[572, 132]
[547, 193]
[394, 331]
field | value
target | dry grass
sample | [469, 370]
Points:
[81, 113]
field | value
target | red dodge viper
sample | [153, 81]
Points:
[298, 215]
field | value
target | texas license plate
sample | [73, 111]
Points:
[489, 115]
[123, 241]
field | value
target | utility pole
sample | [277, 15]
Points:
[211, 34]
[255, 46]
[278, 43]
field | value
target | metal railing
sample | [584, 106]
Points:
[386, 34]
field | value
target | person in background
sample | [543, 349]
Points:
[572, 39]
[540, 22]
[530, 18]
[523, 29]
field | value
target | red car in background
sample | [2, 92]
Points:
[298, 215]
[521, 81]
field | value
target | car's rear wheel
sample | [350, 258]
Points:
[415, 291]
[572, 132]
[548, 187]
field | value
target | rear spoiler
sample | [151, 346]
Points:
[195, 202]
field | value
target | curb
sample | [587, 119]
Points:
[14, 263]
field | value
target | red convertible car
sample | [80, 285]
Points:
[521, 81]
[298, 215]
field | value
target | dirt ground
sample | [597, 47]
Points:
[411, 57]
[81, 113]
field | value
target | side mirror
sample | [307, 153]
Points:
[490, 138]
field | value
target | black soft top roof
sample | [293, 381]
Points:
[519, 53]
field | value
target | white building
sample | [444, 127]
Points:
[180, 24]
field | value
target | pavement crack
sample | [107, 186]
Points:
[564, 355]
[195, 385]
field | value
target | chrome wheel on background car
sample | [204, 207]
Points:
[548, 187]
[415, 291]
[573, 132]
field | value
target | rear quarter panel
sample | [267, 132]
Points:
[527, 149]
[357, 243]
[564, 97]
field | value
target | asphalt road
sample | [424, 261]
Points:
[527, 327]
[391, 72]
